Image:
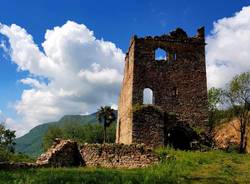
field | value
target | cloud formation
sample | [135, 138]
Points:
[228, 48]
[74, 74]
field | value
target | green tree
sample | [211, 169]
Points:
[49, 137]
[111, 133]
[214, 99]
[106, 115]
[93, 133]
[237, 95]
[73, 131]
[7, 143]
[90, 133]
[7, 138]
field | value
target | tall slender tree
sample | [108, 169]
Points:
[106, 115]
[214, 99]
[238, 96]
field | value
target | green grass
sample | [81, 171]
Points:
[181, 167]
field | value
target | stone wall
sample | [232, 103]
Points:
[118, 155]
[149, 121]
[124, 120]
[63, 153]
[178, 82]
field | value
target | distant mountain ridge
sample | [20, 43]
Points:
[31, 143]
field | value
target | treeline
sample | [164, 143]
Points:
[82, 133]
[104, 132]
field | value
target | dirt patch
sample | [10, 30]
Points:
[228, 134]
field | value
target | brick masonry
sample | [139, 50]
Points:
[178, 83]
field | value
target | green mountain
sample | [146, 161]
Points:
[31, 143]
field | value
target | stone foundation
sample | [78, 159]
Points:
[118, 155]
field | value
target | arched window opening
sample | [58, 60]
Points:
[148, 96]
[175, 92]
[175, 56]
[161, 54]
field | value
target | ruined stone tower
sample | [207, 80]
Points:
[177, 90]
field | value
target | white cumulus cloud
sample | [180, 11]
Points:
[228, 49]
[74, 73]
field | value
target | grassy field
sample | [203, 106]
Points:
[181, 167]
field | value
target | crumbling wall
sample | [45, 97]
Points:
[118, 155]
[179, 85]
[178, 82]
[64, 153]
[124, 120]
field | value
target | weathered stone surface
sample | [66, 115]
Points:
[178, 84]
[150, 120]
[64, 153]
[118, 155]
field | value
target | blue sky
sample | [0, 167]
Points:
[114, 21]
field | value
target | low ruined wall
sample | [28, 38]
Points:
[64, 153]
[118, 155]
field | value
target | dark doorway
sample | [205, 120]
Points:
[179, 138]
